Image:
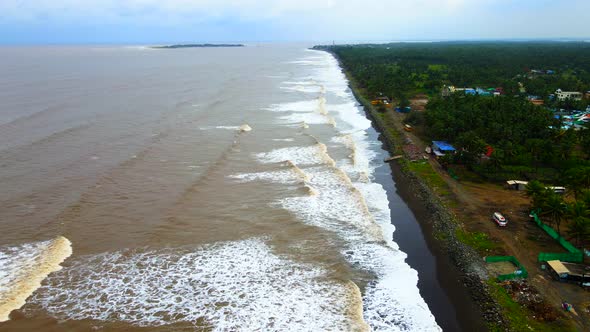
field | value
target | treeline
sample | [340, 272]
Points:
[525, 140]
[499, 138]
[403, 69]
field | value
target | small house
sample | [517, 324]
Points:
[569, 272]
[441, 148]
[383, 100]
[517, 184]
[535, 100]
[557, 190]
[558, 270]
[482, 92]
[446, 91]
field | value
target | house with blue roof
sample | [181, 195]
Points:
[441, 148]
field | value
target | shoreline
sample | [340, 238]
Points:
[460, 271]
[438, 282]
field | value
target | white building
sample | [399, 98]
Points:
[572, 95]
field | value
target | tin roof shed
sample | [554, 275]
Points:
[558, 267]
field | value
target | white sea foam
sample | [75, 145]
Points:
[23, 268]
[304, 88]
[308, 155]
[284, 176]
[327, 73]
[349, 114]
[309, 118]
[309, 60]
[392, 302]
[337, 205]
[308, 81]
[357, 211]
[245, 128]
[220, 127]
[222, 287]
[311, 105]
[361, 152]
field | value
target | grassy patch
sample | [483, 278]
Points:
[467, 175]
[440, 236]
[477, 240]
[436, 67]
[519, 317]
[424, 170]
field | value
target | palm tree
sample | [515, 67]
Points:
[496, 159]
[578, 179]
[577, 209]
[471, 147]
[556, 209]
[578, 214]
[509, 150]
[534, 187]
[585, 196]
[580, 229]
[535, 147]
[538, 193]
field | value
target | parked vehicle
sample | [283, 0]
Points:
[499, 219]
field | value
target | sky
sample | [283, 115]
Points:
[177, 21]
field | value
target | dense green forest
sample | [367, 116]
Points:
[528, 142]
[400, 70]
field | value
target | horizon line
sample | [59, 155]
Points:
[316, 42]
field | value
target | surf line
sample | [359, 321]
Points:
[32, 264]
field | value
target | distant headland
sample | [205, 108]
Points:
[198, 45]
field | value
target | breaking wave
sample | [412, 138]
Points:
[357, 212]
[309, 155]
[24, 267]
[221, 287]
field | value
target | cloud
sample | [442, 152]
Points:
[125, 10]
[299, 19]
[145, 10]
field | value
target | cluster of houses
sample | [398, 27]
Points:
[447, 90]
[559, 95]
[521, 185]
[573, 119]
[540, 72]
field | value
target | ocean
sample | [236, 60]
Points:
[200, 189]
